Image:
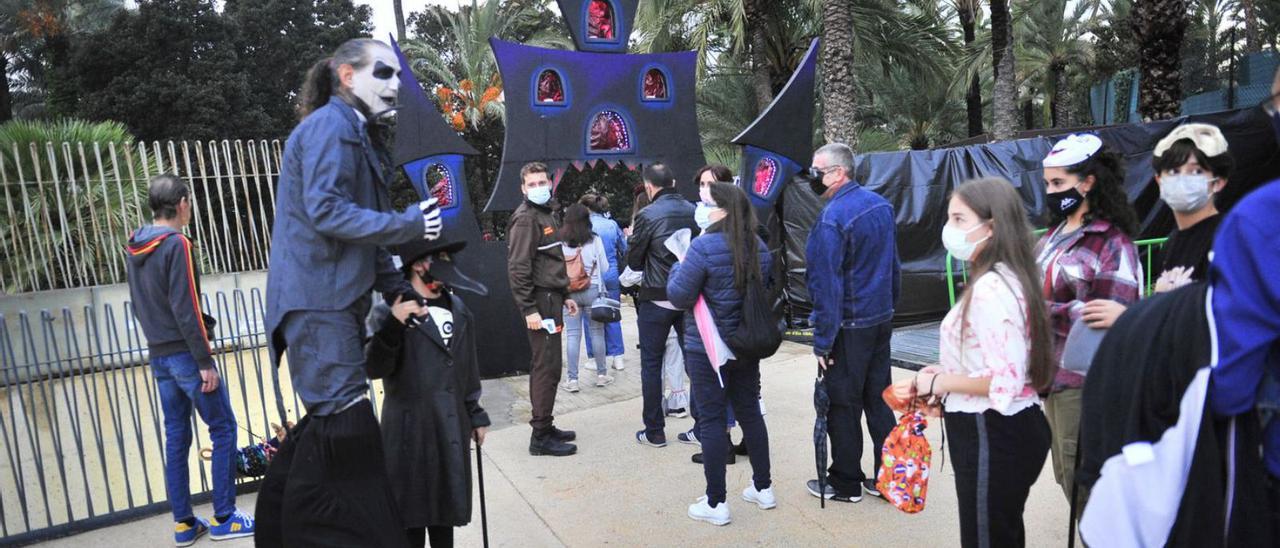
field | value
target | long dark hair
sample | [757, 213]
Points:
[721, 173]
[322, 82]
[575, 231]
[739, 228]
[1011, 243]
[1106, 199]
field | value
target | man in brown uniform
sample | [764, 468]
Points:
[540, 283]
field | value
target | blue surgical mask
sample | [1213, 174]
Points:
[702, 215]
[540, 195]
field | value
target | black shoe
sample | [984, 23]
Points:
[741, 448]
[869, 488]
[563, 435]
[545, 444]
[830, 492]
[643, 439]
[733, 459]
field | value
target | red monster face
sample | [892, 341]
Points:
[600, 20]
[766, 173]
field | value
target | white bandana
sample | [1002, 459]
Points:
[1072, 150]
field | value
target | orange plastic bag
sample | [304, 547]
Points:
[904, 467]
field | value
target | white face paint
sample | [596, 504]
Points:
[378, 82]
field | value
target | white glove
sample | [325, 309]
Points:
[432, 224]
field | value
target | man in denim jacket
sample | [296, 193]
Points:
[853, 280]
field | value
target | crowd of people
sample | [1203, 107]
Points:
[1024, 355]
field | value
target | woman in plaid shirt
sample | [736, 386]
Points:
[1091, 270]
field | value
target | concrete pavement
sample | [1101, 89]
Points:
[616, 492]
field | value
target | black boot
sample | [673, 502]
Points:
[733, 459]
[563, 435]
[544, 443]
[740, 448]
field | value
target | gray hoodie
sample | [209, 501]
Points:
[164, 283]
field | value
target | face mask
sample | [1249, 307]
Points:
[377, 84]
[705, 195]
[957, 241]
[1063, 204]
[540, 195]
[814, 177]
[702, 215]
[1185, 193]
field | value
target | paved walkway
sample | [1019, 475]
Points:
[617, 492]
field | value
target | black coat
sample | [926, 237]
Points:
[430, 407]
[646, 248]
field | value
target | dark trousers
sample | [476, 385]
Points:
[328, 486]
[996, 460]
[654, 323]
[741, 393]
[441, 536]
[544, 370]
[854, 384]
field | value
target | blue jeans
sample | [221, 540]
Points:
[741, 393]
[178, 380]
[654, 323]
[573, 330]
[614, 345]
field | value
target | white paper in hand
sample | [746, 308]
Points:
[678, 243]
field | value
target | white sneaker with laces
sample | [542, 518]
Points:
[571, 386]
[701, 511]
[618, 363]
[604, 380]
[764, 499]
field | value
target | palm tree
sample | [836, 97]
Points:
[1051, 43]
[1247, 11]
[1005, 95]
[969, 11]
[1159, 27]
[840, 106]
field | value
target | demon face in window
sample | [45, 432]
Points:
[609, 133]
[655, 84]
[600, 20]
[550, 88]
[440, 184]
[766, 173]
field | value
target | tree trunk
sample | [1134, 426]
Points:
[840, 103]
[1029, 113]
[398, 6]
[761, 83]
[1159, 27]
[973, 98]
[6, 101]
[1061, 96]
[1005, 96]
[1252, 41]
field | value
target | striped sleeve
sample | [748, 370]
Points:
[184, 300]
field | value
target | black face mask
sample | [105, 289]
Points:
[814, 178]
[1063, 204]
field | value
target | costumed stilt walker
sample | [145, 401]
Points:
[328, 484]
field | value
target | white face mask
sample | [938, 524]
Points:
[378, 82]
[702, 215]
[1185, 193]
[704, 194]
[957, 242]
[540, 195]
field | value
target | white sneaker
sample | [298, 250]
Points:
[571, 386]
[618, 363]
[603, 380]
[763, 499]
[702, 512]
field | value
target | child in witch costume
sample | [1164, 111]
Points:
[425, 352]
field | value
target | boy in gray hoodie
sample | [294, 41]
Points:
[164, 285]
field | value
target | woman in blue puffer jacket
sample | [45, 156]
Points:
[718, 265]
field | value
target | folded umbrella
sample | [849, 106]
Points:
[821, 404]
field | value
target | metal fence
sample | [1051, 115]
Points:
[69, 207]
[81, 441]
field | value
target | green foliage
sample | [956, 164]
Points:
[281, 39]
[170, 70]
[89, 206]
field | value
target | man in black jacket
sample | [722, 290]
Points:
[667, 213]
[164, 285]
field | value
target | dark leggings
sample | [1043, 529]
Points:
[996, 459]
[441, 536]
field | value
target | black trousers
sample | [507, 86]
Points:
[441, 536]
[854, 383]
[996, 459]
[328, 486]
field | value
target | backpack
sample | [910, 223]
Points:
[579, 276]
[759, 334]
[904, 470]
